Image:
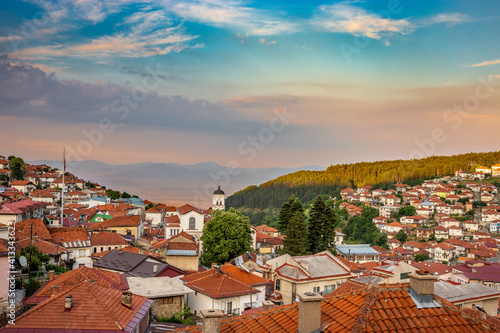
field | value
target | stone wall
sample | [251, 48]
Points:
[167, 310]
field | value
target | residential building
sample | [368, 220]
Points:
[394, 272]
[77, 241]
[321, 272]
[106, 241]
[358, 253]
[181, 250]
[130, 227]
[215, 290]
[167, 293]
[90, 306]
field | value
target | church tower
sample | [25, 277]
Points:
[218, 199]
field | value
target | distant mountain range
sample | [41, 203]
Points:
[171, 182]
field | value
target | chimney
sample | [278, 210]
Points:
[422, 289]
[211, 320]
[55, 290]
[120, 251]
[141, 250]
[266, 305]
[309, 312]
[68, 302]
[127, 299]
[51, 275]
[155, 269]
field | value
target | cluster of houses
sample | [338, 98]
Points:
[130, 260]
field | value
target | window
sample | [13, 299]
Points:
[82, 253]
[192, 223]
[404, 276]
[330, 288]
[129, 232]
[278, 285]
[315, 289]
[229, 307]
[102, 249]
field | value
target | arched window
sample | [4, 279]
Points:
[192, 223]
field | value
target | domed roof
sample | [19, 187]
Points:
[219, 191]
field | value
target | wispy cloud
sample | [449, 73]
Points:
[149, 34]
[487, 63]
[233, 15]
[344, 18]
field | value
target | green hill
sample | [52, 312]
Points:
[308, 184]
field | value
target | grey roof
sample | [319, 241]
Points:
[370, 278]
[157, 287]
[357, 249]
[463, 292]
[319, 265]
[133, 263]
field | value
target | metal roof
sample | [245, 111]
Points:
[357, 249]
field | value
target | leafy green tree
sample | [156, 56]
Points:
[114, 195]
[225, 236]
[36, 259]
[125, 195]
[420, 257]
[17, 167]
[401, 236]
[432, 237]
[295, 243]
[322, 223]
[407, 211]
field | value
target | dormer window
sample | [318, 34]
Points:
[192, 223]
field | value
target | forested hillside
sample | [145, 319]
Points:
[306, 185]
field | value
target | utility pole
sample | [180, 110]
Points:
[31, 246]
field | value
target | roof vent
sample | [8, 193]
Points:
[155, 269]
[68, 302]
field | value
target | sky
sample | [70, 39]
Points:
[248, 83]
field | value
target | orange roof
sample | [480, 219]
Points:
[69, 279]
[73, 237]
[243, 276]
[23, 229]
[94, 308]
[175, 243]
[217, 285]
[265, 228]
[44, 246]
[187, 208]
[374, 308]
[122, 221]
[107, 238]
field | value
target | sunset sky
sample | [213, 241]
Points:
[257, 83]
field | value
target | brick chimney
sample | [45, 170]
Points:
[127, 299]
[266, 305]
[422, 288]
[51, 275]
[68, 302]
[309, 312]
[211, 320]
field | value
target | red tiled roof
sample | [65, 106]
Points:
[187, 208]
[107, 238]
[69, 279]
[44, 246]
[122, 221]
[381, 308]
[94, 308]
[243, 276]
[216, 284]
[23, 229]
[131, 249]
[70, 235]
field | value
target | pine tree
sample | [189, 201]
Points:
[295, 243]
[288, 210]
[322, 223]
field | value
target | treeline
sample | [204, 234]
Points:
[306, 185]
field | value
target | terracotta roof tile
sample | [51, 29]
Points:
[107, 238]
[23, 229]
[381, 308]
[94, 308]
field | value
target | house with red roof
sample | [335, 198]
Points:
[181, 250]
[17, 211]
[470, 225]
[23, 186]
[394, 227]
[87, 307]
[105, 241]
[131, 227]
[442, 251]
[77, 241]
[214, 289]
[321, 272]
[441, 232]
[155, 216]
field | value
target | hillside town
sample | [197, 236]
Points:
[87, 257]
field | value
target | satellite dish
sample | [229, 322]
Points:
[23, 261]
